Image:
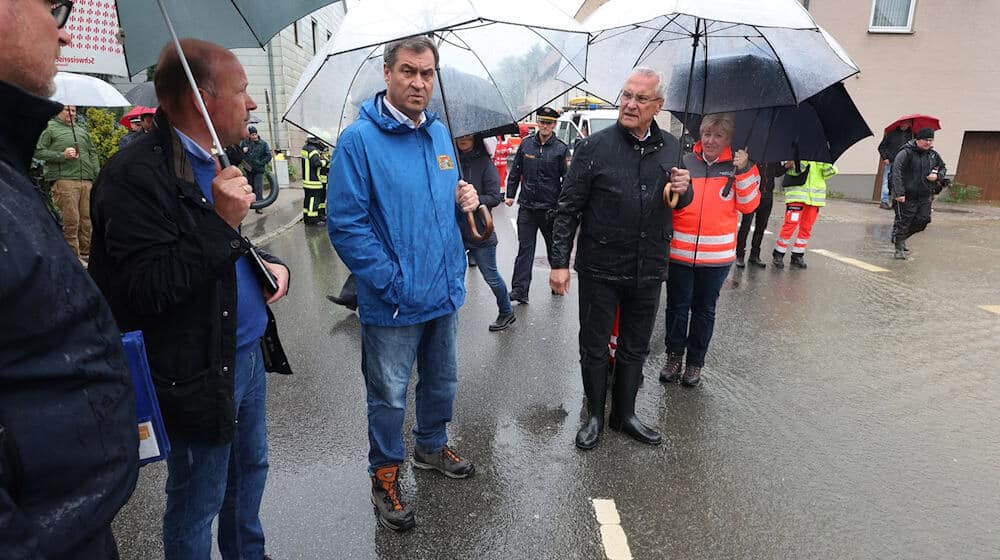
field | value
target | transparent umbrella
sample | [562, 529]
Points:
[499, 62]
[88, 91]
[724, 55]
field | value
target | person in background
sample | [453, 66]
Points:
[71, 166]
[538, 170]
[759, 217]
[69, 446]
[918, 171]
[805, 194]
[703, 248]
[891, 142]
[314, 165]
[256, 156]
[135, 130]
[477, 167]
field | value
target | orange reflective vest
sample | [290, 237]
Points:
[705, 230]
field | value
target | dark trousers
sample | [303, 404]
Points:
[349, 290]
[529, 222]
[912, 216]
[314, 204]
[598, 301]
[759, 219]
[256, 180]
[691, 296]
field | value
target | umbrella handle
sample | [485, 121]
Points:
[670, 198]
[487, 225]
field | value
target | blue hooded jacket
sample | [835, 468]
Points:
[392, 217]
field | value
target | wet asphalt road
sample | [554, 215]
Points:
[844, 414]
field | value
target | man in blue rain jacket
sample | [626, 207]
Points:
[393, 221]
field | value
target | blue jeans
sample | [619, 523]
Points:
[387, 356]
[691, 296]
[205, 480]
[885, 184]
[486, 260]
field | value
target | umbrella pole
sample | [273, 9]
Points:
[670, 197]
[220, 153]
[483, 210]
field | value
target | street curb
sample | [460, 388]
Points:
[267, 237]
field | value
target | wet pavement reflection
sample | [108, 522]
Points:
[844, 414]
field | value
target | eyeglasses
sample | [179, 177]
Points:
[60, 11]
[627, 96]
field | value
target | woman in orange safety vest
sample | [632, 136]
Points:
[704, 244]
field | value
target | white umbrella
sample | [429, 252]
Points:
[88, 91]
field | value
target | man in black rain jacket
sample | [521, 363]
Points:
[539, 167]
[917, 171]
[615, 192]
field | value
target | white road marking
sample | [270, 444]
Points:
[991, 308]
[612, 535]
[851, 261]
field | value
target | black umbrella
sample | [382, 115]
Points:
[822, 128]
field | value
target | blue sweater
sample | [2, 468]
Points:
[392, 217]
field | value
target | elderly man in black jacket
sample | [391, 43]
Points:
[169, 256]
[917, 171]
[615, 192]
[69, 446]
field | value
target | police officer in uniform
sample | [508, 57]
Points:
[539, 167]
[315, 166]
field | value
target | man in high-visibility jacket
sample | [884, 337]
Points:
[315, 166]
[805, 194]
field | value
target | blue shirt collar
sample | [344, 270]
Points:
[192, 147]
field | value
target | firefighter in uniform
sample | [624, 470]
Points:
[315, 166]
[805, 194]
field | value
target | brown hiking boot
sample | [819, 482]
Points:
[446, 462]
[390, 510]
[692, 376]
[671, 371]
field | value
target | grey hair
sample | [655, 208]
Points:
[726, 122]
[417, 44]
[645, 71]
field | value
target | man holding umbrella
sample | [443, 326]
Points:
[394, 223]
[169, 256]
[917, 171]
[615, 192]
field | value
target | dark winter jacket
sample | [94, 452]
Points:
[539, 170]
[614, 191]
[69, 447]
[768, 173]
[478, 169]
[257, 154]
[910, 169]
[893, 141]
[167, 264]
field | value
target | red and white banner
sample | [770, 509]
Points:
[96, 46]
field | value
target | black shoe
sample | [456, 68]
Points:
[259, 211]
[595, 386]
[778, 259]
[900, 251]
[755, 261]
[885, 205]
[518, 296]
[623, 418]
[740, 263]
[348, 302]
[472, 260]
[692, 376]
[671, 372]
[390, 510]
[446, 462]
[798, 260]
[503, 321]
